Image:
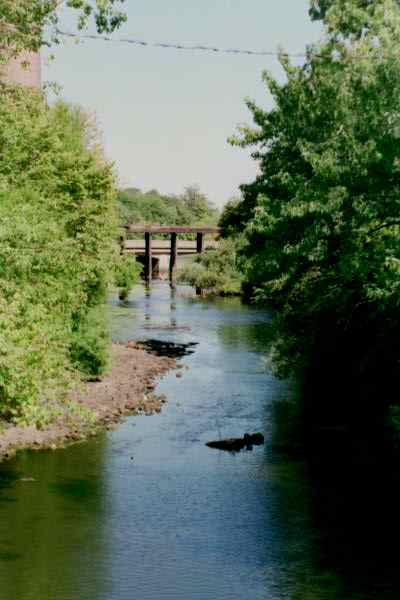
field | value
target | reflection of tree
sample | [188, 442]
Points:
[253, 335]
[335, 526]
[355, 509]
[51, 534]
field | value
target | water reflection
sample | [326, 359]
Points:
[184, 522]
[52, 535]
[355, 509]
[254, 336]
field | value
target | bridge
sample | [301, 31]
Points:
[149, 247]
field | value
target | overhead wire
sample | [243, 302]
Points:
[177, 46]
[209, 49]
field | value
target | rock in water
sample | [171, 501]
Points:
[237, 444]
[231, 444]
[257, 439]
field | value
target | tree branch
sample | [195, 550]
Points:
[384, 225]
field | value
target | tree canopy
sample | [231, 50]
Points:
[322, 218]
[59, 228]
[58, 249]
[320, 8]
[23, 22]
[344, 16]
[190, 208]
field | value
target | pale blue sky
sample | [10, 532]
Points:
[166, 114]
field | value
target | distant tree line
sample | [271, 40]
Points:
[190, 208]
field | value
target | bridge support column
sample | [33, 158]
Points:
[148, 263]
[172, 261]
[199, 248]
[122, 241]
[200, 242]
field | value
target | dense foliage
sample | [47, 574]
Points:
[322, 218]
[215, 271]
[319, 9]
[190, 208]
[23, 23]
[126, 274]
[58, 251]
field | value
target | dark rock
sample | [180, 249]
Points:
[237, 444]
[230, 444]
[257, 439]
[167, 349]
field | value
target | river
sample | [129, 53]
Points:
[148, 512]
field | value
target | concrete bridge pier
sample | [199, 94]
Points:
[200, 242]
[172, 260]
[148, 262]
[154, 248]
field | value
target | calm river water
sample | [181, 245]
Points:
[148, 512]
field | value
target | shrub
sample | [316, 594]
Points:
[58, 251]
[215, 271]
[126, 274]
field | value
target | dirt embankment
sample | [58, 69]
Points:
[127, 389]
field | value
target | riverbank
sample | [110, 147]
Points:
[126, 389]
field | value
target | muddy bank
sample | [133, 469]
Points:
[127, 389]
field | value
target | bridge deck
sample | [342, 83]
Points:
[174, 247]
[175, 229]
[184, 247]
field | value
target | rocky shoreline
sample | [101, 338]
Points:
[126, 389]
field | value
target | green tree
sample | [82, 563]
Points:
[238, 212]
[319, 10]
[197, 204]
[215, 271]
[323, 227]
[58, 252]
[23, 22]
[191, 208]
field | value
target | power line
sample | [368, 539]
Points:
[214, 49]
[175, 46]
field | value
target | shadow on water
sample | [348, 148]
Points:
[349, 498]
[9, 556]
[334, 502]
[169, 349]
[8, 479]
[79, 489]
[250, 336]
[355, 511]
[185, 522]
[52, 536]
